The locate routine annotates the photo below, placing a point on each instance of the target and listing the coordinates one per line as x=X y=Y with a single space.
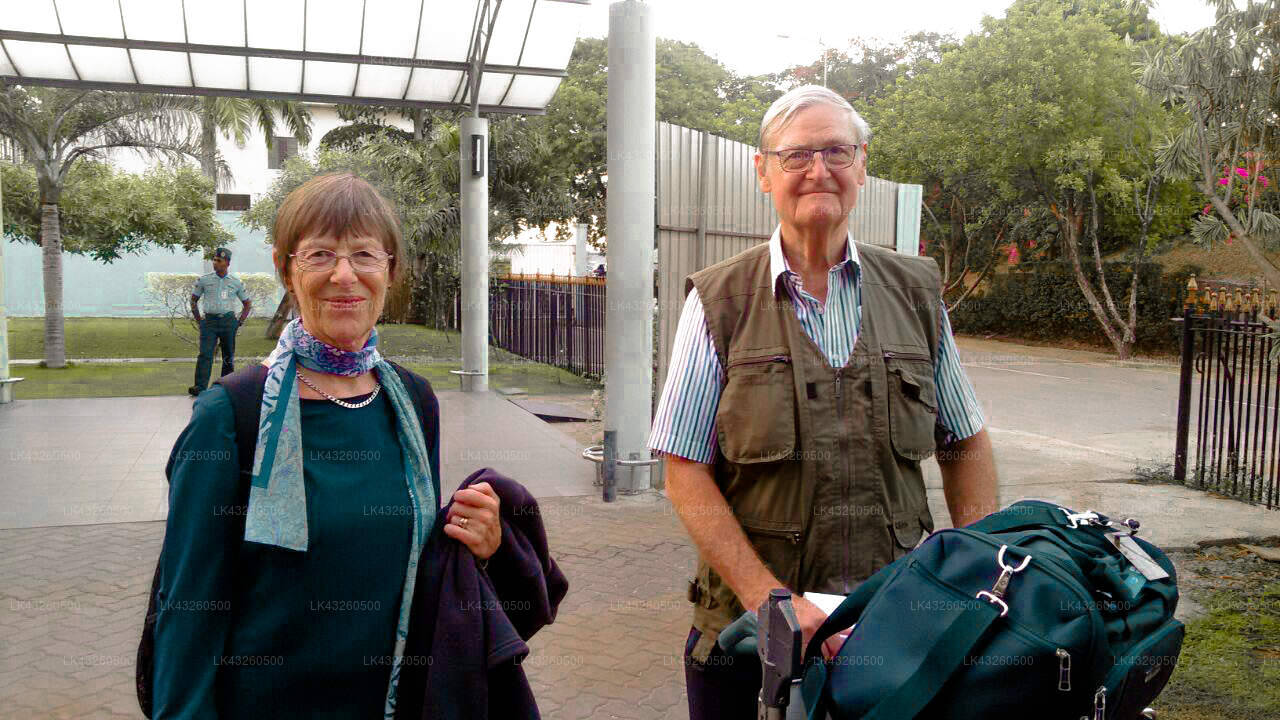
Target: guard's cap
x=222 y=254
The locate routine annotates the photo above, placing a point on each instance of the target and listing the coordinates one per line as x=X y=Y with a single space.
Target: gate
x=1229 y=389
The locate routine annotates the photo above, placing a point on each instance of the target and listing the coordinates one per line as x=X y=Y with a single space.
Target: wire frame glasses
x=362 y=261
x=836 y=157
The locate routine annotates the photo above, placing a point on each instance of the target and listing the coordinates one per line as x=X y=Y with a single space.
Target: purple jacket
x=468 y=627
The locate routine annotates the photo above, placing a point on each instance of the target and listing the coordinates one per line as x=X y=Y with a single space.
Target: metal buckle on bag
x=995 y=595
x=1088 y=517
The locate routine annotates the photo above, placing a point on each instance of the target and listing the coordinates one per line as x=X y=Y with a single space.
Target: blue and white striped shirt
x=685 y=421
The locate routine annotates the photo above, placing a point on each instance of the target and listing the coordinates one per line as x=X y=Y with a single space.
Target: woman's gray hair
x=783 y=109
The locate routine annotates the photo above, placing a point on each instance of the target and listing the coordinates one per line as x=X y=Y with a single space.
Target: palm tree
x=233 y=117
x=54 y=128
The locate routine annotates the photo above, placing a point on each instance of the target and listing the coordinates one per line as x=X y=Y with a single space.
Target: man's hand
x=811 y=618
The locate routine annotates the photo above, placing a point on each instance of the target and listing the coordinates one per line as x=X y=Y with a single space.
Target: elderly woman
x=289 y=595
x=807 y=379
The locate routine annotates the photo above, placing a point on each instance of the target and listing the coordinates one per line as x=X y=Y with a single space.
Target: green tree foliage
x=106 y=213
x=867 y=69
x=1225 y=80
x=55 y=128
x=693 y=90
x=234 y=118
x=421 y=179
x=1037 y=117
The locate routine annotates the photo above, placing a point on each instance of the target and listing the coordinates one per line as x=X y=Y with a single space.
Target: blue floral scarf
x=277 y=512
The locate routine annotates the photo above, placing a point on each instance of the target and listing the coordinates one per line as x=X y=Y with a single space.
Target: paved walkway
x=82 y=493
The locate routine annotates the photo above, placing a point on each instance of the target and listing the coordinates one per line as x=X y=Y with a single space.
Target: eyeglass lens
x=838 y=156
x=362 y=260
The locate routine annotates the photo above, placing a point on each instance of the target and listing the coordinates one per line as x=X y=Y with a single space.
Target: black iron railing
x=1229 y=390
x=558 y=320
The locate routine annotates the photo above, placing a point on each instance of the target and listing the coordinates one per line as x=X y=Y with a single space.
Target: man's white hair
x=784 y=109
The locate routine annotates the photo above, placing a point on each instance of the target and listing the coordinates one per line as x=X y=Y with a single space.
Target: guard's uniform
x=219 y=300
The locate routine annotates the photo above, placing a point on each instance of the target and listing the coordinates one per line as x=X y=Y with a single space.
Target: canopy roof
x=412 y=53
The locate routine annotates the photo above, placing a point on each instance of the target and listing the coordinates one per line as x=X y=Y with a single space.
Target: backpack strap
x=428 y=407
x=244 y=388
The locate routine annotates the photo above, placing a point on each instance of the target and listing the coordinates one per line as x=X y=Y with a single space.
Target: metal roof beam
x=241 y=51
x=251 y=94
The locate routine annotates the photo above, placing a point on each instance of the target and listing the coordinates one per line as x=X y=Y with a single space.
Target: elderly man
x=809 y=378
x=218 y=290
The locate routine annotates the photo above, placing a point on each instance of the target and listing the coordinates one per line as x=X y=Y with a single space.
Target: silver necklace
x=377 y=386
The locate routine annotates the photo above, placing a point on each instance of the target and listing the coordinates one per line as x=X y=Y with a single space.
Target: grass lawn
x=1230 y=664
x=152 y=338
x=173 y=378
x=439 y=352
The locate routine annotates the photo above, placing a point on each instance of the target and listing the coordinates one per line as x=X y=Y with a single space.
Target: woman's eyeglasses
x=836 y=157
x=362 y=261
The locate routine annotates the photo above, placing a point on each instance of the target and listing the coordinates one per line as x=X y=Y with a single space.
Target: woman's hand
x=474 y=520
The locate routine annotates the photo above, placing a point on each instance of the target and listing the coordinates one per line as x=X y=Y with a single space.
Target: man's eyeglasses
x=836 y=157
x=362 y=261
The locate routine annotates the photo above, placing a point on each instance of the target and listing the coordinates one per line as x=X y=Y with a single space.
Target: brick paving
x=72 y=600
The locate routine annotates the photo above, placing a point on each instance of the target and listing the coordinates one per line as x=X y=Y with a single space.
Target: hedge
x=1041 y=301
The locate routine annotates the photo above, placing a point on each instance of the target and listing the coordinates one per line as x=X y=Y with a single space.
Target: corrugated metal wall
x=710 y=208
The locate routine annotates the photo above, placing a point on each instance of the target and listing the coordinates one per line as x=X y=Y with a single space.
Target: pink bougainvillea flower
x=1243 y=172
x=1207 y=209
x=1263 y=181
x=1224 y=181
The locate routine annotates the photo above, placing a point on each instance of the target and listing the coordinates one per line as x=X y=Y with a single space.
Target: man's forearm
x=716 y=532
x=195 y=310
x=244 y=312
x=969 y=479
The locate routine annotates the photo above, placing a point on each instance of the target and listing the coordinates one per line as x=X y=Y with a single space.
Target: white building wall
x=248 y=164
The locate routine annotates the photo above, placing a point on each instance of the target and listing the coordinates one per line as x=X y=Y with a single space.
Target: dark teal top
x=251 y=631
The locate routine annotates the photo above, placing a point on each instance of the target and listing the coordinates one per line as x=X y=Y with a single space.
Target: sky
x=744 y=34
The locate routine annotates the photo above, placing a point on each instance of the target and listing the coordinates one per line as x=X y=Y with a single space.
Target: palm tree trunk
x=55 y=341
x=208 y=143
x=276 y=326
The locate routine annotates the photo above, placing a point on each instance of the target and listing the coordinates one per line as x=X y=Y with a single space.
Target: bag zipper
x=761 y=360
x=1064 y=670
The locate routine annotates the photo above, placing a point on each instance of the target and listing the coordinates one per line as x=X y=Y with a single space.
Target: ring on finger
x=462 y=522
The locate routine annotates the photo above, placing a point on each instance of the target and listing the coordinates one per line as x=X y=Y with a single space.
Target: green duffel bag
x=1032 y=612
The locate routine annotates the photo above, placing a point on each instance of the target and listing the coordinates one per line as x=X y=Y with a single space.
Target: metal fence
x=710 y=208
x=1229 y=389
x=551 y=319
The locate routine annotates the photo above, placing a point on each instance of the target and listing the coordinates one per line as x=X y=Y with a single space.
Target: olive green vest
x=820 y=465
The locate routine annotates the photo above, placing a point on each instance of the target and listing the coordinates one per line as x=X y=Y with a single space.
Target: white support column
x=580 y=266
x=6 y=384
x=474 y=201
x=632 y=115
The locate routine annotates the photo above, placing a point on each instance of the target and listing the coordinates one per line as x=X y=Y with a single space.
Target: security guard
x=809 y=377
x=218 y=289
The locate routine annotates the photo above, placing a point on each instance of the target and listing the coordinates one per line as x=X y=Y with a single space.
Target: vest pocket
x=755 y=421
x=778 y=544
x=913 y=409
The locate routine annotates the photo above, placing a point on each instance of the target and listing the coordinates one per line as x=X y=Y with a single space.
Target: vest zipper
x=761 y=360
x=844 y=455
x=906 y=356
x=791 y=535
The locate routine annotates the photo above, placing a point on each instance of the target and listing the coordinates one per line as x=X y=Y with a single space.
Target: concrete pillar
x=580 y=265
x=474 y=201
x=631 y=115
x=6 y=388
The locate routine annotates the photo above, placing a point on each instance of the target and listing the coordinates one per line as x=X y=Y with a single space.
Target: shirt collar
x=778 y=264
